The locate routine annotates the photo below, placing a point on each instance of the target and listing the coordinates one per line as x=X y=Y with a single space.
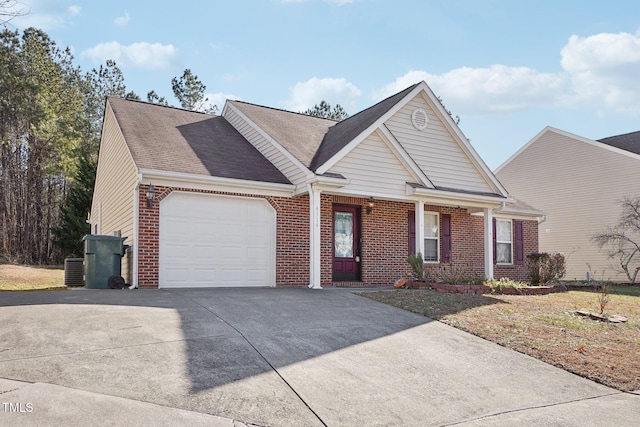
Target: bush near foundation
x=544 y=267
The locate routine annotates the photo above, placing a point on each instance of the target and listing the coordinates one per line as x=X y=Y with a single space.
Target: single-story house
x=578 y=182
x=264 y=197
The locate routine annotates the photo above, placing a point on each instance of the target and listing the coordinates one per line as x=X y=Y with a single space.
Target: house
x=264 y=197
x=578 y=182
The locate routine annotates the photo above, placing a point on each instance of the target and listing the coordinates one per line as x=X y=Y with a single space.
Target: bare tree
x=9 y=9
x=622 y=241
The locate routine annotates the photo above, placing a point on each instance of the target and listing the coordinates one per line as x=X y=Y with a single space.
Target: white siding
x=578 y=185
x=275 y=156
x=116 y=180
x=436 y=150
x=374 y=170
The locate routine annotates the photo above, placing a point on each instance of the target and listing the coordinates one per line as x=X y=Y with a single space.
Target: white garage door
x=210 y=240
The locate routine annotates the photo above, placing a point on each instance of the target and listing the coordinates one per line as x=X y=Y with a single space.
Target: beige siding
x=116 y=180
x=289 y=169
x=578 y=185
x=374 y=170
x=436 y=150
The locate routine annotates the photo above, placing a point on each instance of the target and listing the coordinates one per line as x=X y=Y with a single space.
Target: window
x=431 y=237
x=504 y=242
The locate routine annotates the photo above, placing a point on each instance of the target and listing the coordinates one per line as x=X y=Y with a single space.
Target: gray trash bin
x=103 y=261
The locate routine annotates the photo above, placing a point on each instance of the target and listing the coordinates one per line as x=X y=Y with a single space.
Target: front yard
x=26 y=278
x=545 y=327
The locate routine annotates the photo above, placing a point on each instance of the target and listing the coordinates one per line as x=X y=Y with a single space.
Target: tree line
x=50 y=122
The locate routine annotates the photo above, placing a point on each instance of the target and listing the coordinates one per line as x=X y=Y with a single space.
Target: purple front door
x=346 y=243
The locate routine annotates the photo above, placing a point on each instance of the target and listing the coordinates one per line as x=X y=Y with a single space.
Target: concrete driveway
x=271 y=357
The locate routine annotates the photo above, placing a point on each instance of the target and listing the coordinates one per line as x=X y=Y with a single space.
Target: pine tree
x=324 y=110
x=189 y=90
x=73 y=213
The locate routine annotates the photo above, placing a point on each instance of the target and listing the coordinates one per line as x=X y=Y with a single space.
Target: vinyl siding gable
x=435 y=150
x=374 y=170
x=116 y=179
x=578 y=184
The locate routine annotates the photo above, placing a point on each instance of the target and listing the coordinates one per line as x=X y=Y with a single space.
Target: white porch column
x=420 y=227
x=488 y=243
x=314 y=238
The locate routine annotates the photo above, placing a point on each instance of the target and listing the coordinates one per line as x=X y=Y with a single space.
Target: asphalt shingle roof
x=627 y=141
x=300 y=134
x=175 y=140
x=345 y=131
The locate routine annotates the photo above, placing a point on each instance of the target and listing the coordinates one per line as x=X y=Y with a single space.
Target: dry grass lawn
x=545 y=327
x=26 y=278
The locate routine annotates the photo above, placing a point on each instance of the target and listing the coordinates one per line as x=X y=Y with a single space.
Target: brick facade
x=384 y=234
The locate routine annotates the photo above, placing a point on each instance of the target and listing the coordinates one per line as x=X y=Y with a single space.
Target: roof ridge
x=346 y=130
x=407 y=89
x=282 y=110
x=158 y=105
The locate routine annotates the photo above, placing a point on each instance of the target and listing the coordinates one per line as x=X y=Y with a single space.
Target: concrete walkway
x=271 y=357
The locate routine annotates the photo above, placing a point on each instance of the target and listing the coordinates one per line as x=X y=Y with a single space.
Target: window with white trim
x=504 y=241
x=431 y=237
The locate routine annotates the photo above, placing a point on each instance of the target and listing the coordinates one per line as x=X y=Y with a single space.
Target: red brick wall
x=530 y=240
x=384 y=240
x=384 y=233
x=467 y=245
x=292 y=242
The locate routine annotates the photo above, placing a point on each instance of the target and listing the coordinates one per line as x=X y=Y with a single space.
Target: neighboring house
x=264 y=197
x=578 y=182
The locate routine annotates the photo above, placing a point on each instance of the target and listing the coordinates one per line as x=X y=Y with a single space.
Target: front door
x=346 y=243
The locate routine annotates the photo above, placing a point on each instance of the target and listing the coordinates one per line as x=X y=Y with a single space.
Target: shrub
x=544 y=267
x=417 y=265
x=456 y=274
x=504 y=282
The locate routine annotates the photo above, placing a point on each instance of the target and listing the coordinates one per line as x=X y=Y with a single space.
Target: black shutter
x=446 y=238
x=412 y=232
x=495 y=250
x=519 y=243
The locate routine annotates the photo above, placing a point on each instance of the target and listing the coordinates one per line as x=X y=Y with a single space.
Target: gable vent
x=419 y=119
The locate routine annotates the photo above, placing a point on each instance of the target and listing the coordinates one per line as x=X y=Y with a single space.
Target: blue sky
x=508 y=68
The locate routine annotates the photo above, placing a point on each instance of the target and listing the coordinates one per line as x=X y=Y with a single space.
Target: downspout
x=136 y=226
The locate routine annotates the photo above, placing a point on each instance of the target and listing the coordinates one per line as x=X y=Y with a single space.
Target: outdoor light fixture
x=370 y=205
x=151 y=194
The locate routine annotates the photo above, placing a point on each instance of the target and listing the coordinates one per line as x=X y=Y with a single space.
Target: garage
x=216 y=241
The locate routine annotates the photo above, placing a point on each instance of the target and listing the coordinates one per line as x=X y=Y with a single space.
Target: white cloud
x=485 y=90
x=121 y=21
x=600 y=71
x=605 y=70
x=335 y=91
x=218 y=99
x=142 y=54
x=42 y=14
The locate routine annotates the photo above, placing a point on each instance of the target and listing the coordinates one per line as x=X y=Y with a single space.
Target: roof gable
x=375 y=168
x=437 y=150
x=602 y=144
x=348 y=134
x=347 y=130
x=174 y=140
